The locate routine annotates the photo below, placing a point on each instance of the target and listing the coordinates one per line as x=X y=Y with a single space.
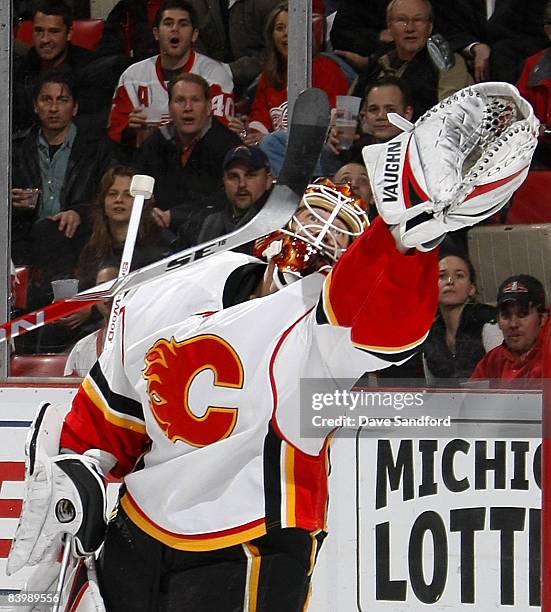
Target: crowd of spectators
x=195 y=95
x=141 y=98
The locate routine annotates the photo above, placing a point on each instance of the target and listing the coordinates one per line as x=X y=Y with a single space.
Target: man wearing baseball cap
x=247 y=183
x=522 y=314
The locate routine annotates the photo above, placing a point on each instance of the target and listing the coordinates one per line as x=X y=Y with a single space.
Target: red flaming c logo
x=171 y=367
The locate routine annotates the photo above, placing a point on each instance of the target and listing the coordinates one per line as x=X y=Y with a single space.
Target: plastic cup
x=346 y=130
x=346 y=120
x=64 y=288
x=31 y=195
x=348 y=107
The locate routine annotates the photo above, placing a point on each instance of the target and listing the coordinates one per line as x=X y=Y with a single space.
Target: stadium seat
x=531 y=201
x=87 y=33
x=48 y=364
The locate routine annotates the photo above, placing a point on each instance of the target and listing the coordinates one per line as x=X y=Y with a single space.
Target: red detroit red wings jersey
x=208 y=404
x=143 y=84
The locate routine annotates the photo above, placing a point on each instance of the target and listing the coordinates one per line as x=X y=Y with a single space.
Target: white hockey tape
x=142 y=184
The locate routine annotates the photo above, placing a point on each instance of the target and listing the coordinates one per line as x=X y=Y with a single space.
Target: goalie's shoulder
x=193 y=288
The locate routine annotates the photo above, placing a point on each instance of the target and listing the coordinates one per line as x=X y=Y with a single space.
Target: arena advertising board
x=415 y=522
x=436 y=523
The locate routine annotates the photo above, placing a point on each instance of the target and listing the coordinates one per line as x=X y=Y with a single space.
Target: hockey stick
x=141 y=188
x=307 y=133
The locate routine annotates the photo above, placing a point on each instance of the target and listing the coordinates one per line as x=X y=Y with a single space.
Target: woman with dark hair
x=110 y=219
x=269 y=108
x=462 y=332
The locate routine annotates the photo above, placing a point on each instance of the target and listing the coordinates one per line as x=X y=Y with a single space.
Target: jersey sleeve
x=106 y=413
x=259 y=117
x=220 y=81
x=222 y=103
x=121 y=107
x=387 y=298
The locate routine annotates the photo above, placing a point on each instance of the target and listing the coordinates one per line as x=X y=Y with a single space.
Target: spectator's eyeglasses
x=403 y=22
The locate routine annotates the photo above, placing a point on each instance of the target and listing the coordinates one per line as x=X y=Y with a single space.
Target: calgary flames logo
x=171 y=367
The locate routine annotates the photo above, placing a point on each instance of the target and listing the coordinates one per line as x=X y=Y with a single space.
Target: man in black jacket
x=65 y=163
x=496 y=43
x=94 y=78
x=185 y=157
x=247 y=183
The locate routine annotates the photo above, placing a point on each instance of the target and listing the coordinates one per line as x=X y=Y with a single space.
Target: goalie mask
x=328 y=219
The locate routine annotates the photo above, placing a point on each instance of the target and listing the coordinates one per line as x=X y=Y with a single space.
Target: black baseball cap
x=253 y=156
x=522 y=288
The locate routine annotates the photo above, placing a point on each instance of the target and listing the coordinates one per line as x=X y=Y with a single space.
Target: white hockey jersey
x=84 y=354
x=143 y=84
x=204 y=406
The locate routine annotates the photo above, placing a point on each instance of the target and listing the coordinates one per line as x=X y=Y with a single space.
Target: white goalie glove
x=456 y=166
x=65 y=495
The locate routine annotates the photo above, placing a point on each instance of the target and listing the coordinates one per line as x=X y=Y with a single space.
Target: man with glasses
x=410 y=22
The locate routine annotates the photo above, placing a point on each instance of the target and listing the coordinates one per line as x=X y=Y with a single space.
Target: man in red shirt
x=521 y=317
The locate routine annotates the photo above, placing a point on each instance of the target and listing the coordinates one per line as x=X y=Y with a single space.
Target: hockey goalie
x=196 y=402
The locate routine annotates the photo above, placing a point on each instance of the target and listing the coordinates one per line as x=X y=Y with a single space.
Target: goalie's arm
x=386 y=297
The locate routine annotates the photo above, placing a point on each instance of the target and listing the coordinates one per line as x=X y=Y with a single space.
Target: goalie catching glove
x=459 y=164
x=65 y=494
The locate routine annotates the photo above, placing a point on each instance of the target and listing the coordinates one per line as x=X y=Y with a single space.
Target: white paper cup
x=156 y=116
x=64 y=288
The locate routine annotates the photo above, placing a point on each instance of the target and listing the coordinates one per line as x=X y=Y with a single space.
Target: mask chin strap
x=282 y=278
